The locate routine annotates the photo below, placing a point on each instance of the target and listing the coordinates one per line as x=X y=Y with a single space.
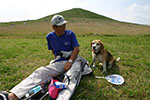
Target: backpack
x=56 y=85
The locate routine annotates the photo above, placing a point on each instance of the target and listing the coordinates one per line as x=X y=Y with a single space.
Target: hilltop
x=77 y=13
x=80 y=21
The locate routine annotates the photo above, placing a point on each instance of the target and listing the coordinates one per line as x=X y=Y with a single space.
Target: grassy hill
x=80 y=21
x=77 y=13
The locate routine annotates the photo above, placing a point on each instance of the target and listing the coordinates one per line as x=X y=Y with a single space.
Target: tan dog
x=100 y=54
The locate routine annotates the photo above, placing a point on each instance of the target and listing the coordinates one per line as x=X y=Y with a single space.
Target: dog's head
x=97 y=46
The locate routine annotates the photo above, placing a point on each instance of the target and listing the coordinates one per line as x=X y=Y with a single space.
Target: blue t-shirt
x=66 y=42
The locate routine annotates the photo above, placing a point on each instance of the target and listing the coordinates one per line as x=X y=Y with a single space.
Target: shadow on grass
x=113 y=70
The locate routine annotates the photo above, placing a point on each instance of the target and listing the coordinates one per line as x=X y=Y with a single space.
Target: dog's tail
x=117 y=59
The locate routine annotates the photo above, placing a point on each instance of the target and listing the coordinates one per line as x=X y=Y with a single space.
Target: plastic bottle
x=33 y=91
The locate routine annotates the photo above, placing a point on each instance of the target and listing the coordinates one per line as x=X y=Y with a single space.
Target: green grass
x=134 y=67
x=20 y=56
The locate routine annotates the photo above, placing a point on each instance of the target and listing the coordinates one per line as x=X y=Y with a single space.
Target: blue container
x=60 y=85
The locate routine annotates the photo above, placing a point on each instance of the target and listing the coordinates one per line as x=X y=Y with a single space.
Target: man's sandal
x=4 y=95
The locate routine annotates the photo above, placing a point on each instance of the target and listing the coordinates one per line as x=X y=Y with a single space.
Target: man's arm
x=74 y=55
x=53 y=53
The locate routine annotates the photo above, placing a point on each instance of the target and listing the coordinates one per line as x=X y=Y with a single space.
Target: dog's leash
x=92 y=62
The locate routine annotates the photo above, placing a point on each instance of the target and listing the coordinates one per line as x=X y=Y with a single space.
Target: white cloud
x=138 y=13
x=134 y=13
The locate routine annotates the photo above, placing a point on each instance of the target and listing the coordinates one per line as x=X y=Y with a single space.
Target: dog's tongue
x=94 y=51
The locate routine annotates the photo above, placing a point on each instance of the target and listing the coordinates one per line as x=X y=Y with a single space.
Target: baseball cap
x=58 y=20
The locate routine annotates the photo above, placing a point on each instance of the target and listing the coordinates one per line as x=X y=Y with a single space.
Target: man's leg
x=12 y=96
x=73 y=73
x=40 y=76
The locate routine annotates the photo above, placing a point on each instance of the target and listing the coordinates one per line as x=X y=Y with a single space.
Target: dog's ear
x=91 y=43
x=102 y=46
x=101 y=43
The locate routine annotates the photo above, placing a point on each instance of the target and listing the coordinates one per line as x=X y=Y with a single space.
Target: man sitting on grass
x=59 y=41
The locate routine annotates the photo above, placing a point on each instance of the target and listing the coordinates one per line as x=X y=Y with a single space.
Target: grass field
x=78 y=25
x=23 y=48
x=21 y=56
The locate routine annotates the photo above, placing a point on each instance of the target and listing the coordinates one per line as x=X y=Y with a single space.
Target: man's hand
x=74 y=54
x=67 y=66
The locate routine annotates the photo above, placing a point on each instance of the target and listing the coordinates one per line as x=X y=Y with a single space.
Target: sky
x=133 y=11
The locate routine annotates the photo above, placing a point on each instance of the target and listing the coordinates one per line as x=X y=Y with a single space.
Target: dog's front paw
x=101 y=64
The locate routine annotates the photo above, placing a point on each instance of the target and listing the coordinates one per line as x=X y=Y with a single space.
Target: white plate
x=114 y=79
